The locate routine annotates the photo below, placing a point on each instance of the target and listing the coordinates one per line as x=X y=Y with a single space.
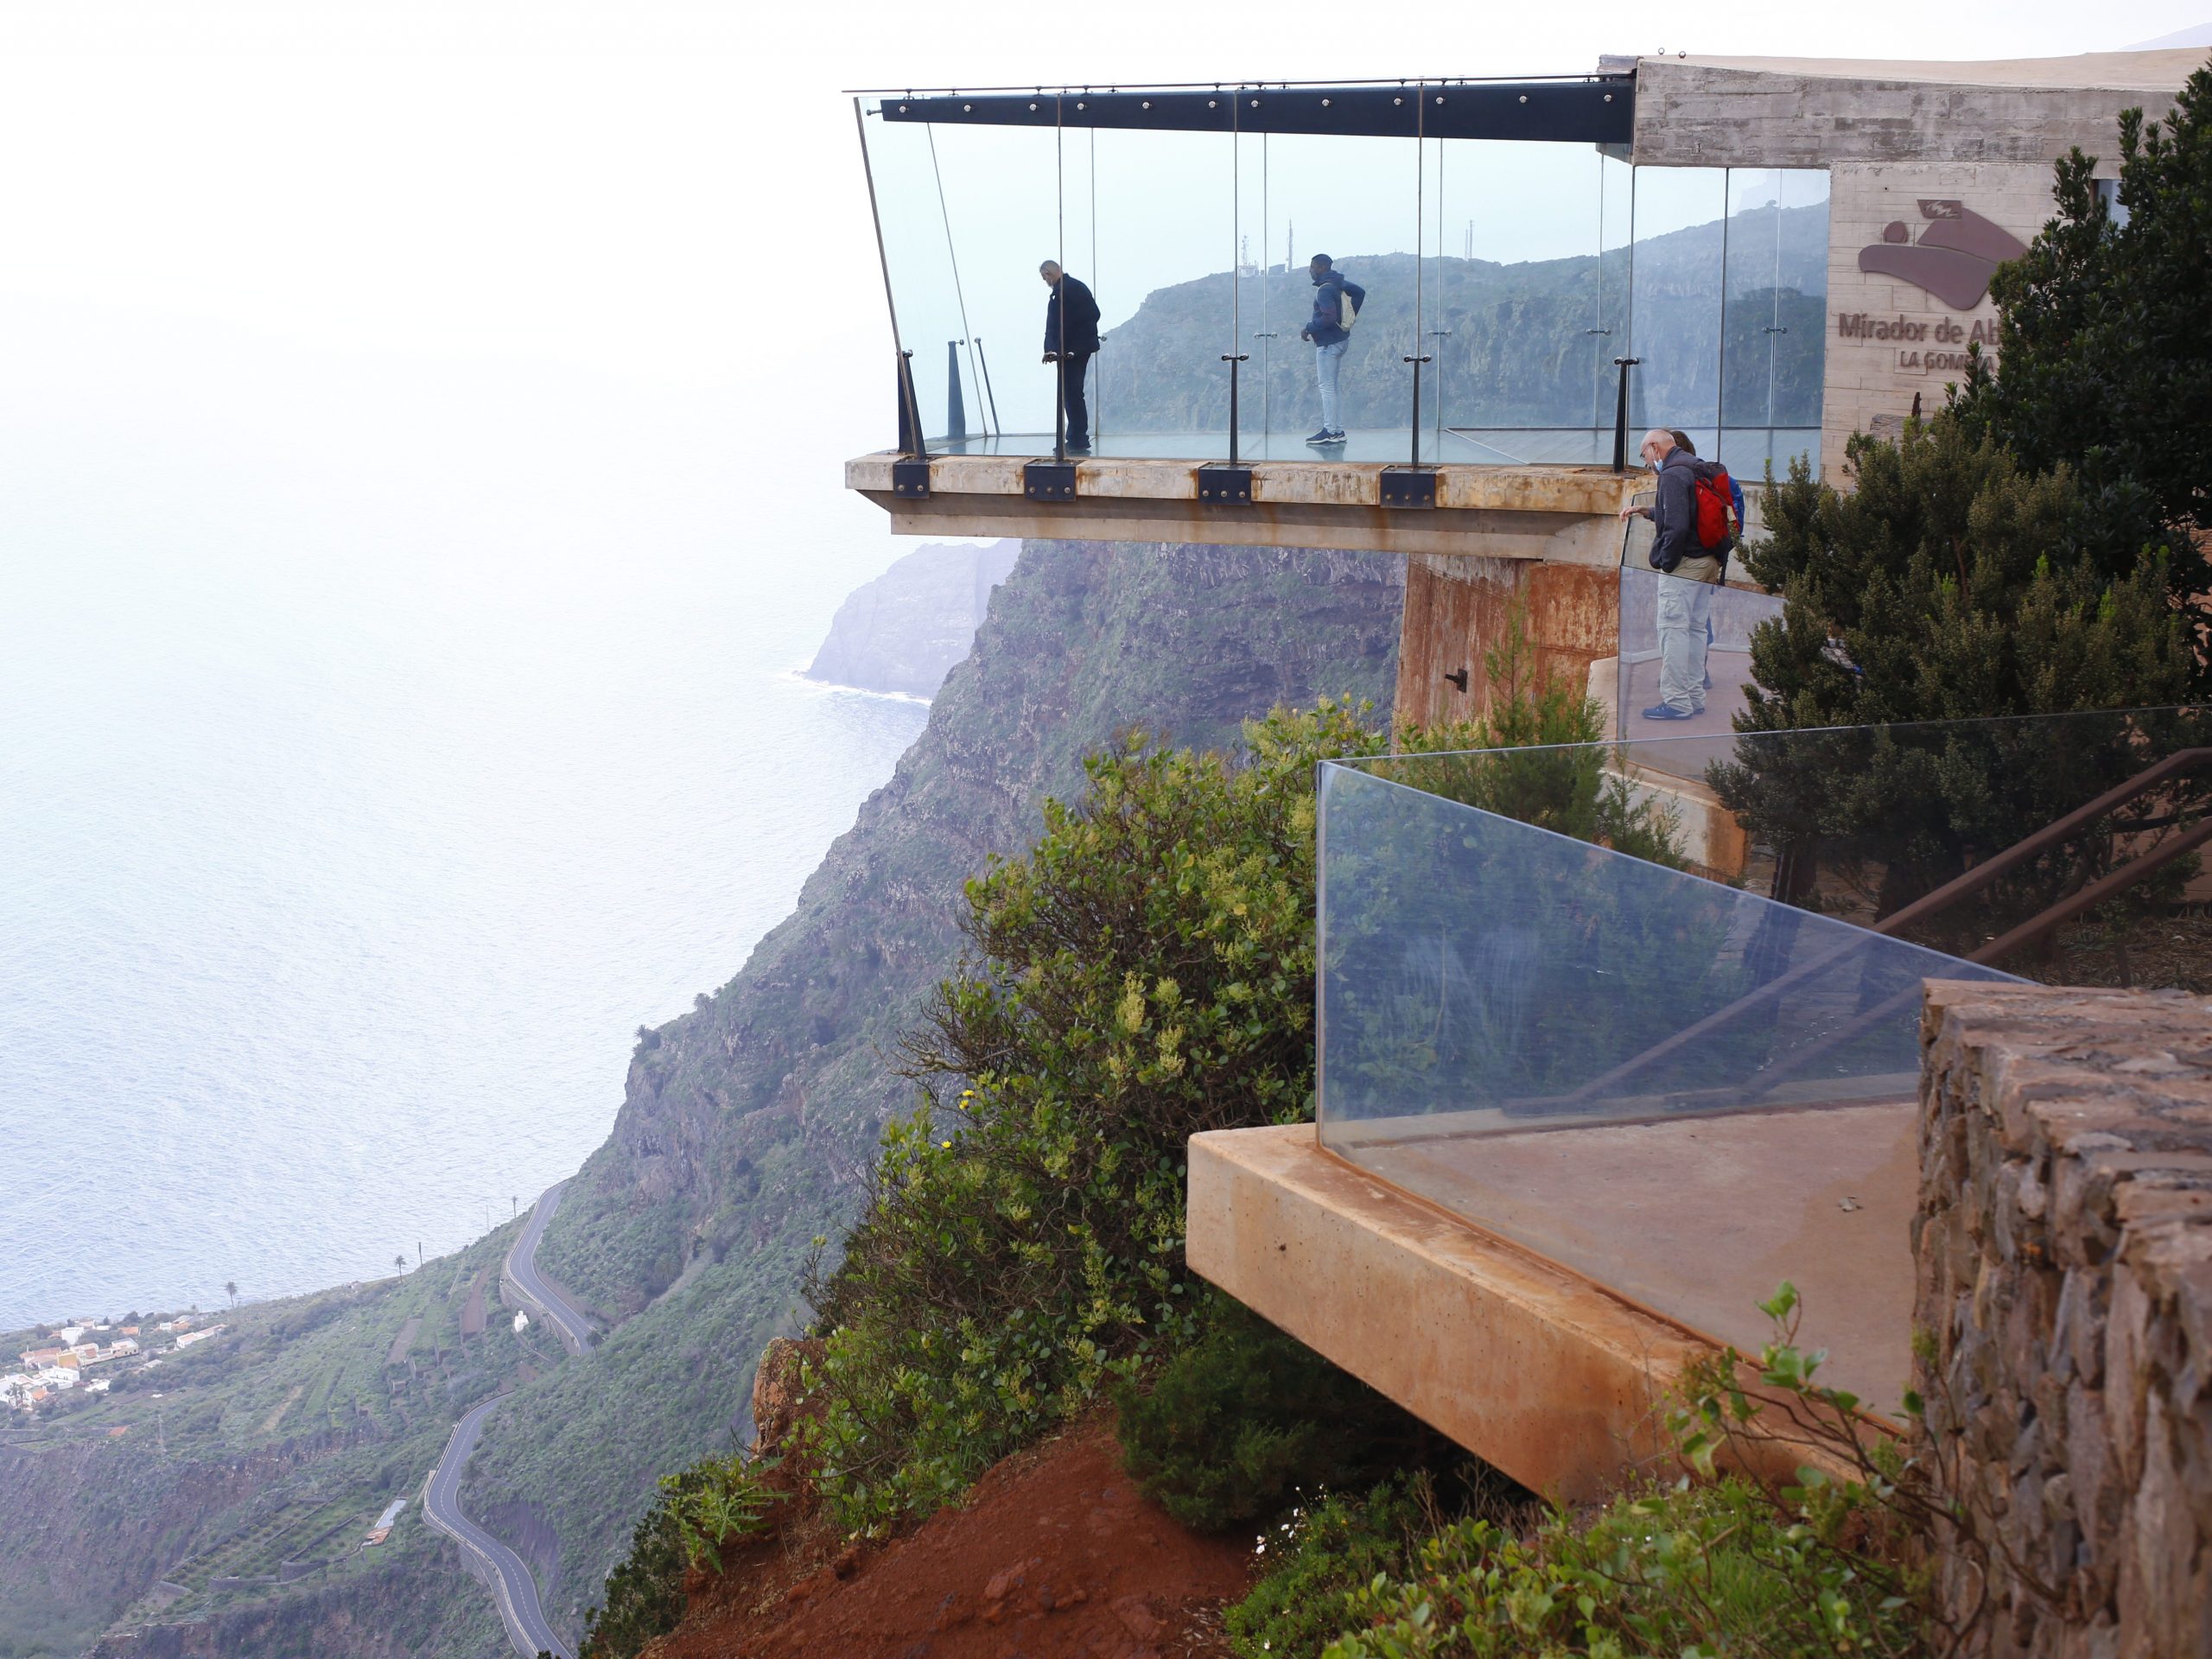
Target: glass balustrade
x=1652 y=1008
x=1507 y=274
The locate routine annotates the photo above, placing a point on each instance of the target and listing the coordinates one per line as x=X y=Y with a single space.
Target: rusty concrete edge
x=1444 y=531
x=1530 y=488
x=1657 y=1359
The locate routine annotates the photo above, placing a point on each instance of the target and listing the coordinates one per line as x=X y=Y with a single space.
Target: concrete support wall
x=1456 y=609
x=2064 y=1251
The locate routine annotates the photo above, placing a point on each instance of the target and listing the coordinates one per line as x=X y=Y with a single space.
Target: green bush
x=1834 y=1565
x=699 y=1511
x=1245 y=1416
x=1698 y=1570
x=1319 y=1559
x=1145 y=973
x=643 y=1596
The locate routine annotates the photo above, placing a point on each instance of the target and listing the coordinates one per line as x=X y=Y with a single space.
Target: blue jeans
x=1327 y=360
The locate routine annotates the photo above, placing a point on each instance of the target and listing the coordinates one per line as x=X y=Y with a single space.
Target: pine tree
x=2104 y=357
x=1952 y=584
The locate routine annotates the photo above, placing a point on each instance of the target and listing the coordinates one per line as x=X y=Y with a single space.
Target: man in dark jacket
x=1329 y=337
x=1685 y=603
x=1071 y=337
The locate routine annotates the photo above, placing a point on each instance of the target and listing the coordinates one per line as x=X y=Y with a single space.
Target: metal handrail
x=1950 y=893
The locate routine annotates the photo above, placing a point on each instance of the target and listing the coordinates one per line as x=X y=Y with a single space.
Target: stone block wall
x=2064 y=1245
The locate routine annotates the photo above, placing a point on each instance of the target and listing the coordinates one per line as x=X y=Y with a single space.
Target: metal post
x=1416 y=361
x=911 y=441
x=1421 y=221
x=989 y=396
x=1720 y=355
x=1060 y=395
x=1059 y=300
x=1233 y=358
x=1620 y=414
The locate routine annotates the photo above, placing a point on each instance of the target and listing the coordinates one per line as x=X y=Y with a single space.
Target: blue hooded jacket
x=1324 y=328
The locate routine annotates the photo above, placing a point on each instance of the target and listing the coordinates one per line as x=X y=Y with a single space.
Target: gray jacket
x=1674 y=515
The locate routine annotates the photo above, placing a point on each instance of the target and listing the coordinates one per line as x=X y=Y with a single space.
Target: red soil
x=1054 y=1557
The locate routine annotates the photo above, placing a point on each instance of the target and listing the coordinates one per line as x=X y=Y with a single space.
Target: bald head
x=1658 y=444
x=1050 y=271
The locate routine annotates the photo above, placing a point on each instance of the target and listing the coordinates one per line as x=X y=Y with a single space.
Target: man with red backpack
x=1694 y=519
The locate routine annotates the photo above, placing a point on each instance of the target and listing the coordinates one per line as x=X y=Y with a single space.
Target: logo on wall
x=1955 y=257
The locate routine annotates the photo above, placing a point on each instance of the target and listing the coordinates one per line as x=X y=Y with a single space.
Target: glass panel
x=1002 y=202
x=1483 y=976
x=1523 y=314
x=1356 y=200
x=925 y=298
x=1690 y=1088
x=1166 y=239
x=1675 y=324
x=1774 y=341
x=1708 y=634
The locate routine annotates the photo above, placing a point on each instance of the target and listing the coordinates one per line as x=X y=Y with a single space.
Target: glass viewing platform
x=1652 y=1008
x=1510 y=258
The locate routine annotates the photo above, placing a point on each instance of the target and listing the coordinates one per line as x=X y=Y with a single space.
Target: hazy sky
x=661 y=190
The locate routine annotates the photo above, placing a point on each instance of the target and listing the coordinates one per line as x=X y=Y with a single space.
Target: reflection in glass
x=1677 y=284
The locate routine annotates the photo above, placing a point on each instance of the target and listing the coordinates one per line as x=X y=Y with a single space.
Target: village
x=55 y=1366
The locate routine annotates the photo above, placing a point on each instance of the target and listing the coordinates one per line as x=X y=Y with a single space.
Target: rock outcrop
x=904 y=631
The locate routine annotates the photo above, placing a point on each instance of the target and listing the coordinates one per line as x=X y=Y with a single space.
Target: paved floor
x=1701 y=1218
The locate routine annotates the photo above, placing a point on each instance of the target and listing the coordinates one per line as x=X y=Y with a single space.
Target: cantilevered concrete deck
x=1547 y=536
x=1561 y=514
x=1554 y=1363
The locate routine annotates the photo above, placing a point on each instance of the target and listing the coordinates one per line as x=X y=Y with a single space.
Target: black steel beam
x=1597 y=110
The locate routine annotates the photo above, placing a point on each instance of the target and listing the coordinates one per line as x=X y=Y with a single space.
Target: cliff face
x=746 y=1123
x=904 y=631
x=1512 y=346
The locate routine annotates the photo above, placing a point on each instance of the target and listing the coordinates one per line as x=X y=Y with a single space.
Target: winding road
x=568 y=1320
x=501 y=1569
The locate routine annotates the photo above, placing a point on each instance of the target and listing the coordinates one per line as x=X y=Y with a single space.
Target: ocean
x=381 y=744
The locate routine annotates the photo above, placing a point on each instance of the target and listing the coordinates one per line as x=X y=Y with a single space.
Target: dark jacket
x=1674 y=515
x=1083 y=317
x=1323 y=329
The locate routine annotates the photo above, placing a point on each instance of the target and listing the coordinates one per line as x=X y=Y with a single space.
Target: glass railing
x=1504 y=279
x=1684 y=648
x=1700 y=956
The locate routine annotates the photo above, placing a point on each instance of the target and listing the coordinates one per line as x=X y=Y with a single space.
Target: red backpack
x=1714 y=494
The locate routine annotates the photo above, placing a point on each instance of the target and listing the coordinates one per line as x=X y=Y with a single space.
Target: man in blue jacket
x=1071 y=337
x=1329 y=337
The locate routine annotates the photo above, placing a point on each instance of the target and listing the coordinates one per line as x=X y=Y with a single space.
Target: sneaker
x=1323 y=436
x=1337 y=435
x=1667 y=711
